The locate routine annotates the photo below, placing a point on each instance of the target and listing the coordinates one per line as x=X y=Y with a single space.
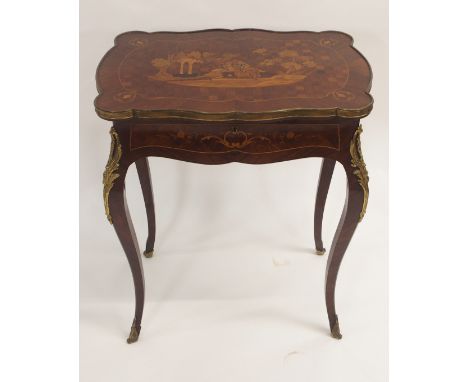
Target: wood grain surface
x=233 y=75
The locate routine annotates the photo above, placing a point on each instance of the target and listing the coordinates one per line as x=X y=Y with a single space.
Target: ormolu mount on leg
x=110 y=173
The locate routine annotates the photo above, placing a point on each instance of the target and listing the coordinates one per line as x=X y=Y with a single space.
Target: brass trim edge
x=110 y=173
x=111 y=115
x=233 y=116
x=357 y=161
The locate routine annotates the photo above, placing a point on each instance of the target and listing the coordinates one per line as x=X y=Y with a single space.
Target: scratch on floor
x=280 y=262
x=290 y=354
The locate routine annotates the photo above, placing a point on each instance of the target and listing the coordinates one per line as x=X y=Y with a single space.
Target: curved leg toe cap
x=133 y=337
x=321 y=252
x=335 y=331
x=148 y=254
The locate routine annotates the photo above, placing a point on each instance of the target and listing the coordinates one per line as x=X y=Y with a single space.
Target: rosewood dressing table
x=220 y=96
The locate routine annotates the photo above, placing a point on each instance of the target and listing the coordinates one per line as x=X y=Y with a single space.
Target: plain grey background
x=235 y=291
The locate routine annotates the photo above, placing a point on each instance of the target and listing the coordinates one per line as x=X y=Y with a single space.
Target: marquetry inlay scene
x=242 y=71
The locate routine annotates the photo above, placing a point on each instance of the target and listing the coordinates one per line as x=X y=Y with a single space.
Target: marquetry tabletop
x=221 y=96
x=240 y=74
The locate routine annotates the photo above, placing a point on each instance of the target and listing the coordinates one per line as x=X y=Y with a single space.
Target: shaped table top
x=222 y=75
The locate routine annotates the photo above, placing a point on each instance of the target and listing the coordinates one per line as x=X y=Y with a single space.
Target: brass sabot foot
x=320 y=252
x=133 y=337
x=335 y=332
x=148 y=254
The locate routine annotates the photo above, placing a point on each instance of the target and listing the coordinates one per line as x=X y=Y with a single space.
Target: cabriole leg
x=353 y=212
x=117 y=213
x=144 y=175
x=326 y=173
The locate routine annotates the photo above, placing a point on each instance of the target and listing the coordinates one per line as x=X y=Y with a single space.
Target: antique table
x=220 y=96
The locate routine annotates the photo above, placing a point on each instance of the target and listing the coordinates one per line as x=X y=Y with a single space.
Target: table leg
x=144 y=174
x=117 y=213
x=353 y=212
x=326 y=173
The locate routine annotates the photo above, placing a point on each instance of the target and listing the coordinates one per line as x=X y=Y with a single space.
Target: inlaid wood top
x=233 y=75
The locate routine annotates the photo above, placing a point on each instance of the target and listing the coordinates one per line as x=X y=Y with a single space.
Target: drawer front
x=249 y=139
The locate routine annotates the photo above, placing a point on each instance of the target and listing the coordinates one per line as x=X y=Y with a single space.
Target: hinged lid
x=218 y=75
